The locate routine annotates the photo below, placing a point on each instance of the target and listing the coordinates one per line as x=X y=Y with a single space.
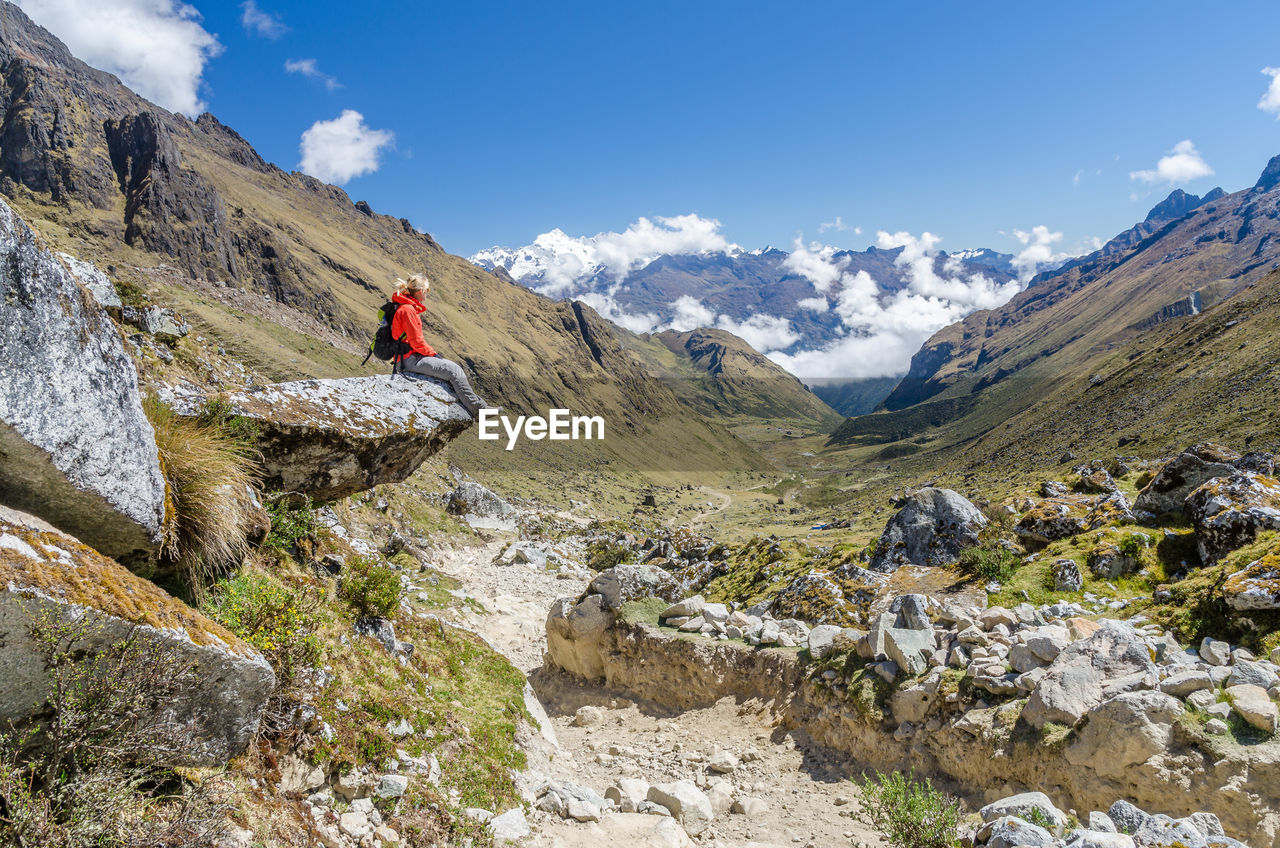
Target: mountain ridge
x=187 y=212
x=996 y=364
x=732 y=282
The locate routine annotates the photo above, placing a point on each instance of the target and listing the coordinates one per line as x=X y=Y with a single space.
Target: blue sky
x=512 y=118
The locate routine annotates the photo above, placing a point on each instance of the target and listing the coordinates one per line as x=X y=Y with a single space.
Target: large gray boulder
x=576 y=635
x=77 y=449
x=328 y=439
x=480 y=506
x=1229 y=512
x=1124 y=731
x=1026 y=805
x=932 y=528
x=48 y=577
x=622 y=584
x=1256 y=586
x=1183 y=474
x=1079 y=679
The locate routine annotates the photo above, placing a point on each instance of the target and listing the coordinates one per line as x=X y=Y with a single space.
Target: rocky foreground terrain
x=240 y=608
x=415 y=660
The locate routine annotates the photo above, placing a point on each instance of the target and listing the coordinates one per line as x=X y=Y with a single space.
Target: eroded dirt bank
x=981 y=752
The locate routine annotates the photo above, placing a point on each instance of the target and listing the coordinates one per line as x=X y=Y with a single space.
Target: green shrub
x=217 y=412
x=1134 y=544
x=274 y=618
x=909 y=813
x=209 y=474
x=603 y=554
x=989 y=562
x=289 y=524
x=369 y=588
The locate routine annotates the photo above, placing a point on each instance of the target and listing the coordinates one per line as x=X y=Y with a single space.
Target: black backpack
x=383 y=345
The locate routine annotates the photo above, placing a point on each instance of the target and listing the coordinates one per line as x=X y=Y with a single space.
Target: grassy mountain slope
x=975 y=375
x=1208 y=376
x=284 y=272
x=720 y=375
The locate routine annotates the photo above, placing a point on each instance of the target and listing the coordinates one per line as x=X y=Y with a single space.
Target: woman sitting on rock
x=422 y=359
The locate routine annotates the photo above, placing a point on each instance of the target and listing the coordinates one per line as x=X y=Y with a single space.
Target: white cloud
x=839 y=226
x=608 y=307
x=880 y=331
x=1181 y=165
x=818 y=262
x=1037 y=253
x=765 y=333
x=157 y=47
x=261 y=23
x=308 y=68
x=1270 y=101
x=342 y=149
x=815 y=304
x=689 y=314
x=557 y=264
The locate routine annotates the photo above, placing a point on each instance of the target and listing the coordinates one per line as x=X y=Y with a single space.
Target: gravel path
x=806 y=798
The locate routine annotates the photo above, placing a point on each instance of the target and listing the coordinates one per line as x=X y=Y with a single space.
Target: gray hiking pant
x=449 y=371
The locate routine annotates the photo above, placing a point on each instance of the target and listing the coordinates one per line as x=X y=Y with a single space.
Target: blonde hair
x=415 y=283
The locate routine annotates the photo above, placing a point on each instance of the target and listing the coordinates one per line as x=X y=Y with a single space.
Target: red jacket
x=407 y=324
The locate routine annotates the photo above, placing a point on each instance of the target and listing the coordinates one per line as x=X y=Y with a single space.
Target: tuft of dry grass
x=210 y=507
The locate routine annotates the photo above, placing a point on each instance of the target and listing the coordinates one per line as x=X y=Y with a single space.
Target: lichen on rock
x=78 y=450
x=44 y=573
x=328 y=439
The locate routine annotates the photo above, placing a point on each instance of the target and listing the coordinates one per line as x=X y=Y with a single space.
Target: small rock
x=751 y=807
x=588 y=717
x=1248 y=672
x=687 y=607
x=386 y=835
x=1101 y=822
x=1254 y=706
x=582 y=811
x=1214 y=652
x=1127 y=817
x=391 y=786
x=1013 y=832
x=687 y=804
x=722 y=762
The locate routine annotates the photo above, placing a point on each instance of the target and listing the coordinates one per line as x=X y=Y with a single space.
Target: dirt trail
x=806 y=797
x=726 y=501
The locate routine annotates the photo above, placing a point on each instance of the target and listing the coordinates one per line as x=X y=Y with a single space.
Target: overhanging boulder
x=328 y=439
x=75 y=446
x=46 y=575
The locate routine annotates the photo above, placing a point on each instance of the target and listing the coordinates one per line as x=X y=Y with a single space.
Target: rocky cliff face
x=168 y=209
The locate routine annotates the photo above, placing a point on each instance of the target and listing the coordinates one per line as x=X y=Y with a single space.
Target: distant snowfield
x=819 y=311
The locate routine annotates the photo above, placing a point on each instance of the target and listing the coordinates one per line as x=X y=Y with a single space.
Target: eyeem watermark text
x=560 y=426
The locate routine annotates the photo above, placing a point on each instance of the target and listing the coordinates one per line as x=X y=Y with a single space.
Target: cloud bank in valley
x=158 y=48
x=879 y=327
x=880 y=331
